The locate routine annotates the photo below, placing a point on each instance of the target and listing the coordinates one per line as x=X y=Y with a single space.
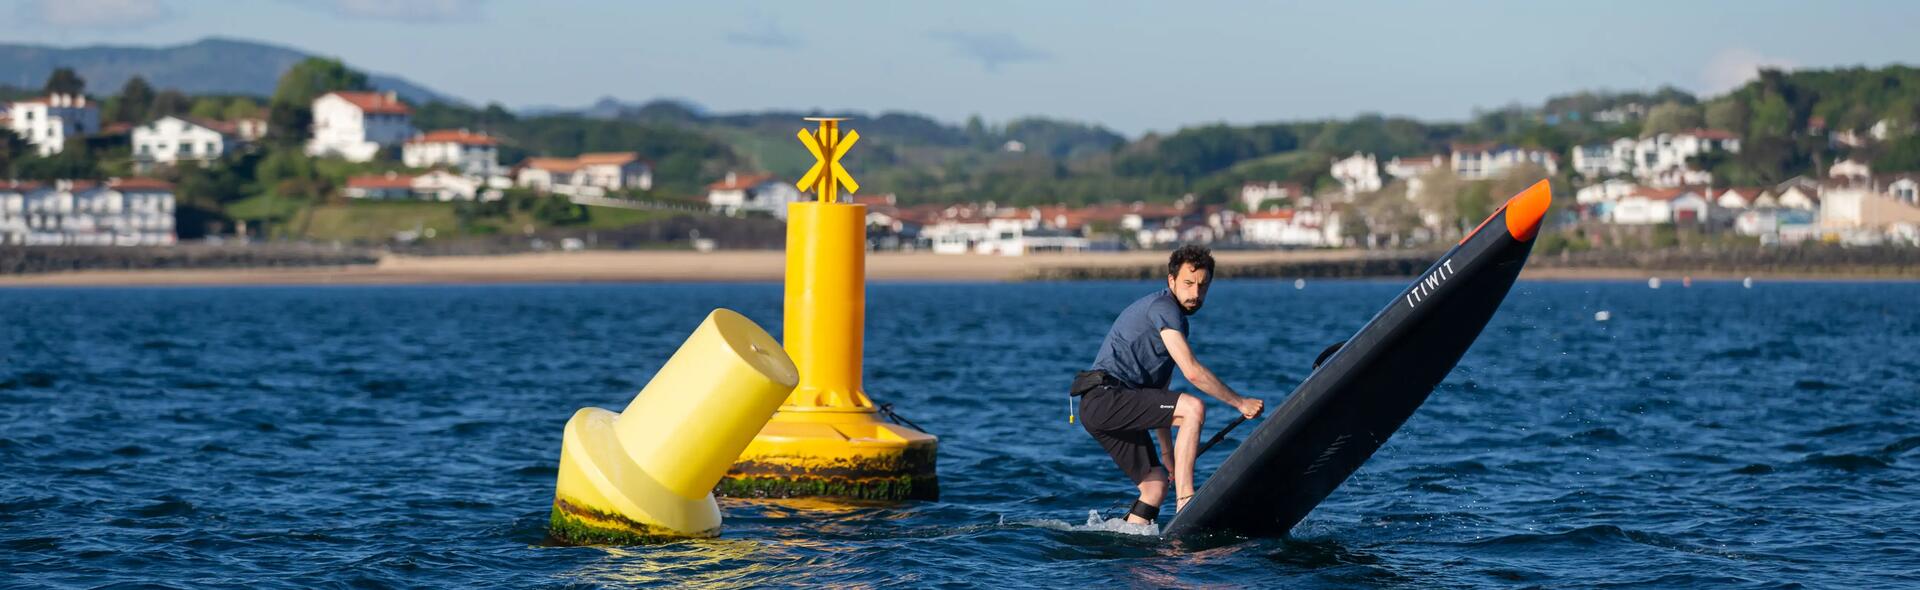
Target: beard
x=1190 y=307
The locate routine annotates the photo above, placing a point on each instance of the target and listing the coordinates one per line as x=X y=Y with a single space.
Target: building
x=1476 y=161
x=1901 y=187
x=1649 y=206
x=1660 y=160
x=355 y=125
x=46 y=123
x=1358 y=173
x=380 y=186
x=473 y=154
x=1863 y=209
x=738 y=194
x=444 y=185
x=120 y=212
x=1296 y=228
x=1746 y=197
x=170 y=139
x=1414 y=166
x=589 y=175
x=1851 y=171
x=1253 y=194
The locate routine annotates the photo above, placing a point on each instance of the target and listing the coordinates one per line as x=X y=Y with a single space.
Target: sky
x=1133 y=66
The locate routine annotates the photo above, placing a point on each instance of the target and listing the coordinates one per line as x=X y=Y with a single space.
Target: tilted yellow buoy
x=828 y=439
x=648 y=472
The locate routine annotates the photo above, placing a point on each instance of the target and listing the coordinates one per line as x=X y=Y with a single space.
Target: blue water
x=408 y=436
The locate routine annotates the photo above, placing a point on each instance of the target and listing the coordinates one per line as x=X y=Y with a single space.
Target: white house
x=1358 y=173
x=1902 y=187
x=473 y=154
x=380 y=186
x=443 y=185
x=120 y=212
x=1800 y=196
x=1851 y=170
x=170 y=139
x=1659 y=160
x=1486 y=160
x=48 y=122
x=1302 y=228
x=1414 y=166
x=355 y=125
x=1859 y=208
x=737 y=194
x=1252 y=193
x=1605 y=191
x=1649 y=206
x=1738 y=198
x=589 y=175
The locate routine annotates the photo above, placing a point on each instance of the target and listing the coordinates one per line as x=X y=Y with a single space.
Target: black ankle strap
x=1144 y=510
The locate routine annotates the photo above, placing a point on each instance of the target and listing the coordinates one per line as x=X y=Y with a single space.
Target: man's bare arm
x=1201 y=377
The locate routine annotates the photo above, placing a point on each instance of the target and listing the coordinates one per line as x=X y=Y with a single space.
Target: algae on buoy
x=647 y=473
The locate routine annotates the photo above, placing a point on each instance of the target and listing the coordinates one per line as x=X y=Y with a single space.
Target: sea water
x=408 y=436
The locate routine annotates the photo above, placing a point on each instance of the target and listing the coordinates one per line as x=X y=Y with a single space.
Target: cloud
x=990 y=49
x=765 y=33
x=1735 y=66
x=408 y=11
x=95 y=14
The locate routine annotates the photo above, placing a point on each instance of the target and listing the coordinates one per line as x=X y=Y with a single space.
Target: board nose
x=1527 y=209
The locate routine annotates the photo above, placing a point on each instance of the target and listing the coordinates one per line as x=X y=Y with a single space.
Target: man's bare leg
x=1153 y=491
x=1189 y=414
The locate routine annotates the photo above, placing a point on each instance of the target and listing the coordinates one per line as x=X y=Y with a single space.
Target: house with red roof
x=470 y=153
x=738 y=194
x=591 y=174
x=168 y=140
x=1653 y=205
x=355 y=125
x=1474 y=161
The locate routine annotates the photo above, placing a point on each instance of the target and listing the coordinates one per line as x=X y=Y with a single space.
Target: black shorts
x=1119 y=418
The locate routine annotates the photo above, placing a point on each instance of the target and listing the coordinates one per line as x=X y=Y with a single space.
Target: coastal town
x=1654 y=179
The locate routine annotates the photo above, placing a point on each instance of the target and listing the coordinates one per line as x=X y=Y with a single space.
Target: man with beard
x=1124 y=395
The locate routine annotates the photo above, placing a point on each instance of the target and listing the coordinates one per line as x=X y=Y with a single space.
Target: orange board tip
x=1525 y=210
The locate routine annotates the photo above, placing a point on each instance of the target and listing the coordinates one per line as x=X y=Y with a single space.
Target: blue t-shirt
x=1133 y=352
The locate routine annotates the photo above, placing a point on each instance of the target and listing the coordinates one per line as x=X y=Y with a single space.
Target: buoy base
x=835 y=453
x=603 y=497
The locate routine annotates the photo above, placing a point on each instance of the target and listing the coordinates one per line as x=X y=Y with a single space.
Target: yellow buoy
x=828 y=439
x=648 y=472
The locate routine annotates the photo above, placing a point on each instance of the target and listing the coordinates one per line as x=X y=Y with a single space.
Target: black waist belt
x=1087 y=381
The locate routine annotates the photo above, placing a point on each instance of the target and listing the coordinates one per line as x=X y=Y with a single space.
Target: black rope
x=887 y=410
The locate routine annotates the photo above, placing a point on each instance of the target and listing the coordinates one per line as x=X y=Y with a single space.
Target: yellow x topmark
x=827 y=175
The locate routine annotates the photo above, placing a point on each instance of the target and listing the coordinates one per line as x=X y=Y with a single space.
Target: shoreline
x=769 y=266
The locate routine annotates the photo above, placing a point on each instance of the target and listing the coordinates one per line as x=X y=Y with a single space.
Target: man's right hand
x=1249 y=408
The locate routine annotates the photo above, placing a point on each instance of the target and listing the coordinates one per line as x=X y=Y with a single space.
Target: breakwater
x=45 y=259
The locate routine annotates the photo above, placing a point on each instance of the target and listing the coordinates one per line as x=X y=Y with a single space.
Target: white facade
x=355 y=125
x=1660 y=160
x=1414 y=166
x=171 y=139
x=1850 y=170
x=47 y=123
x=473 y=154
x=132 y=212
x=1302 y=228
x=1655 y=206
x=1358 y=173
x=590 y=175
x=1905 y=189
x=741 y=194
x=1605 y=191
x=441 y=185
x=1481 y=161
x=1859 y=208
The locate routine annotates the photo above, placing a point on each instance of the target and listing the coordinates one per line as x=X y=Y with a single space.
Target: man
x=1125 y=394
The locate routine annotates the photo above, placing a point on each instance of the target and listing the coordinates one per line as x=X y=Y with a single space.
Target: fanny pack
x=1087 y=381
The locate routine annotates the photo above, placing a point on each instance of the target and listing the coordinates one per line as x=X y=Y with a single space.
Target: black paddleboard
x=1348 y=407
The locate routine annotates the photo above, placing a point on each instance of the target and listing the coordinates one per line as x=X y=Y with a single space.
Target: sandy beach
x=730 y=266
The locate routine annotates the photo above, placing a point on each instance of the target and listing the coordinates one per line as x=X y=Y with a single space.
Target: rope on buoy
x=887 y=410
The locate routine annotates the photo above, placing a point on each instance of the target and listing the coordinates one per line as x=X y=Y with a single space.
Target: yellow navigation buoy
x=828 y=439
x=648 y=473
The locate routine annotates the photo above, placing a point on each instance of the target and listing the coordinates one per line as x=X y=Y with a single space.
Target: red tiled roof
x=872 y=200
x=140 y=184
x=381 y=181
x=459 y=136
x=375 y=102
x=740 y=182
x=1283 y=214
x=1475 y=147
x=552 y=164
x=607 y=158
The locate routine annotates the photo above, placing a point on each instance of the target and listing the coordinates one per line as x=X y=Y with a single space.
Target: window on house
x=211 y=150
x=186 y=149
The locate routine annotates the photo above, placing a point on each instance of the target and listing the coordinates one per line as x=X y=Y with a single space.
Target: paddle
x=1222 y=435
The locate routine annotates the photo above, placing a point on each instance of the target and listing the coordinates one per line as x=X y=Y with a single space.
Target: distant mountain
x=209 y=66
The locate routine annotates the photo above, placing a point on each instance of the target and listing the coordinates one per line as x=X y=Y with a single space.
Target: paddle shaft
x=1222 y=435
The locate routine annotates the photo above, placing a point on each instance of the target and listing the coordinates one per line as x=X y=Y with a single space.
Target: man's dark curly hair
x=1197 y=255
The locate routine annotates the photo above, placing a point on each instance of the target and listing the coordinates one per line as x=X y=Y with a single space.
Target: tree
x=240 y=108
x=65 y=81
x=1727 y=115
x=1772 y=117
x=134 y=102
x=207 y=107
x=1902 y=155
x=290 y=111
x=170 y=103
x=1669 y=117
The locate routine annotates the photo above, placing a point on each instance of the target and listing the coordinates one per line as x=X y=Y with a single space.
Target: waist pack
x=1087 y=381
